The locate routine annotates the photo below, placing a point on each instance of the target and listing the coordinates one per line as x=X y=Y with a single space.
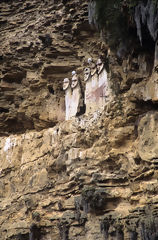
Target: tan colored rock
x=94 y=176
x=147 y=137
x=146 y=91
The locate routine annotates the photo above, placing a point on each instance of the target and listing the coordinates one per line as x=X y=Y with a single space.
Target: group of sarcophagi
x=96 y=93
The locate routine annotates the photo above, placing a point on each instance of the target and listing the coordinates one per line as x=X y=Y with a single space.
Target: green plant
x=120 y=19
x=111 y=16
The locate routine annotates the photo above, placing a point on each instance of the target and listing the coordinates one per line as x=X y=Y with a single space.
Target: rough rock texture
x=40 y=46
x=94 y=177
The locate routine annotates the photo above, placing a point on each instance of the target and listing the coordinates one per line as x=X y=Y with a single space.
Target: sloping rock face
x=92 y=177
x=40 y=45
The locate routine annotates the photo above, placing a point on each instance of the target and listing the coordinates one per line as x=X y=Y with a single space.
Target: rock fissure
x=78 y=150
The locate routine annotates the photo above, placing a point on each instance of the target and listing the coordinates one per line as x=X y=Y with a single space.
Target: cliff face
x=92 y=177
x=40 y=45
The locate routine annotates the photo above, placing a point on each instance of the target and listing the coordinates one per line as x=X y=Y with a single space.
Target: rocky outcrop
x=79 y=181
x=91 y=177
x=40 y=46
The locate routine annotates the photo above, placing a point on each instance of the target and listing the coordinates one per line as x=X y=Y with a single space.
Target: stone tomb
x=76 y=95
x=72 y=96
x=94 y=98
x=88 y=89
x=68 y=96
x=97 y=90
x=103 y=90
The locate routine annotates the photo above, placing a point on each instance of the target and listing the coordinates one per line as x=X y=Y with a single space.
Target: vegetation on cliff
x=122 y=19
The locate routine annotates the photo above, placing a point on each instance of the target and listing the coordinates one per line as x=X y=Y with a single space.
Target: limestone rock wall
x=40 y=46
x=92 y=177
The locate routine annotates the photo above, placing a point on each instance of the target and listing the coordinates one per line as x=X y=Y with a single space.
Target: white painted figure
x=76 y=94
x=87 y=74
x=94 y=74
x=94 y=98
x=68 y=97
x=103 y=84
x=88 y=89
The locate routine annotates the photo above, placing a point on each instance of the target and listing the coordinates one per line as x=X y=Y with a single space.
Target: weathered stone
x=94 y=176
x=147 y=137
x=103 y=85
x=68 y=98
x=77 y=98
x=88 y=89
x=93 y=96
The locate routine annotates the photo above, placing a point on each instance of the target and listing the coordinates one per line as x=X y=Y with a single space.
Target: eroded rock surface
x=95 y=175
x=39 y=48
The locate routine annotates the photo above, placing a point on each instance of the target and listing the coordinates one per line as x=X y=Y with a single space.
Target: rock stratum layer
x=92 y=177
